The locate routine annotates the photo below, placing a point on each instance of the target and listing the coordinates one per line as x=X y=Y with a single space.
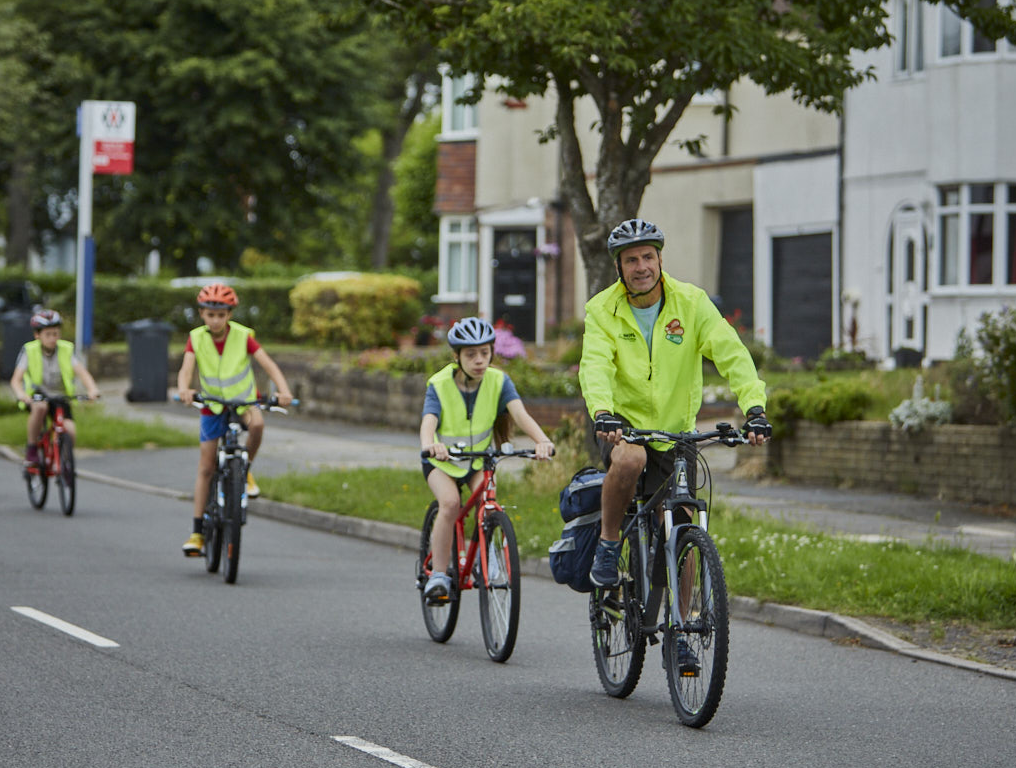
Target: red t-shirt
x=220 y=344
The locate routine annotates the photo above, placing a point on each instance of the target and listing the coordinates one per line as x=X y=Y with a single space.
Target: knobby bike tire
x=37 y=479
x=439 y=618
x=619 y=644
x=697 y=685
x=213 y=525
x=66 y=481
x=232 y=514
x=501 y=593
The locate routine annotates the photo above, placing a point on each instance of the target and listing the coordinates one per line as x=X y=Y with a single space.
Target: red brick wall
x=456 y=177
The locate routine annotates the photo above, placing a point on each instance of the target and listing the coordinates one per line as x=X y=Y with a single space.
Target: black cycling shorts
x=659 y=464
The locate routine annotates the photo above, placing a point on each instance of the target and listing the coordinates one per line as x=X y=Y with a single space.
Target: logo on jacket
x=675 y=332
x=627 y=335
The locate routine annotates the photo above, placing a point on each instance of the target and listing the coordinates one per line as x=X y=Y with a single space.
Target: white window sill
x=453 y=298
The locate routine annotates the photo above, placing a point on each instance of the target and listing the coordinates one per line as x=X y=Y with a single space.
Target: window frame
x=451 y=89
x=1002 y=210
x=910 y=56
x=468 y=237
x=1003 y=48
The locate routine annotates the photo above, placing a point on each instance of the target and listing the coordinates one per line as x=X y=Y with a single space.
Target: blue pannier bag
x=571 y=556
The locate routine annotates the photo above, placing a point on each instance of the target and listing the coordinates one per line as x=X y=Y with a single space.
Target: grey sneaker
x=687 y=661
x=604 y=570
x=439 y=586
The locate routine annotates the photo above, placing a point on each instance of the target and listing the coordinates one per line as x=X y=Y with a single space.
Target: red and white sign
x=112 y=134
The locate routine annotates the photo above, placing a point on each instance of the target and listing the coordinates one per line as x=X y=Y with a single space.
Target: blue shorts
x=214 y=425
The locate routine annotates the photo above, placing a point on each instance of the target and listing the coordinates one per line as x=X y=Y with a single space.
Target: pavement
x=296 y=443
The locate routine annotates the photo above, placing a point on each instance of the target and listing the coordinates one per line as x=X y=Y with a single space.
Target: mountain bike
x=226 y=506
x=56 y=457
x=489 y=563
x=675 y=565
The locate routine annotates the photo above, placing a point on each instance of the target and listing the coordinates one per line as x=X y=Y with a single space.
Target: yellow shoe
x=252 y=487
x=194 y=546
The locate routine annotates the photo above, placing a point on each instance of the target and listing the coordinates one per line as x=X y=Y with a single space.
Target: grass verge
x=763 y=558
x=98 y=430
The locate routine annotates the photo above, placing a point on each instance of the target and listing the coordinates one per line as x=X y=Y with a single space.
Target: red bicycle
x=56 y=457
x=489 y=563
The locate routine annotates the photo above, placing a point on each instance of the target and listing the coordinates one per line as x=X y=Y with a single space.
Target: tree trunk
x=19 y=209
x=383 y=209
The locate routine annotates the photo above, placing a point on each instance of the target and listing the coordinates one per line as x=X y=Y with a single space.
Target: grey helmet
x=470 y=332
x=633 y=232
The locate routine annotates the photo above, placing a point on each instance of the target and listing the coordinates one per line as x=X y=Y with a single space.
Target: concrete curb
x=805 y=620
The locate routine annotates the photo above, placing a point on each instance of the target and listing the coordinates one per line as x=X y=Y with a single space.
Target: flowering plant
x=548 y=251
x=506 y=344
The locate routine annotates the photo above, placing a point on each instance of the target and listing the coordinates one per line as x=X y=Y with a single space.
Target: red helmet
x=46 y=318
x=217 y=296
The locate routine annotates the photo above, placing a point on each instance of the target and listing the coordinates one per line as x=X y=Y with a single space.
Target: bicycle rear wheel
x=66 y=479
x=501 y=594
x=213 y=526
x=619 y=645
x=695 y=649
x=440 y=617
x=232 y=516
x=37 y=480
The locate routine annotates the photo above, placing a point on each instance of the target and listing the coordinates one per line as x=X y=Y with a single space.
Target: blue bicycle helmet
x=470 y=332
x=633 y=232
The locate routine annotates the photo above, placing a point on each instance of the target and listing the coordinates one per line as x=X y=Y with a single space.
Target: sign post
x=106 y=129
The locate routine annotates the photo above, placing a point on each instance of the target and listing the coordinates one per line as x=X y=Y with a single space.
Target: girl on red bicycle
x=467 y=403
x=48 y=366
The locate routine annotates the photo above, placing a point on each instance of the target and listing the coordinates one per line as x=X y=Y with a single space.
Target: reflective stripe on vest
x=456 y=426
x=65 y=358
x=229 y=375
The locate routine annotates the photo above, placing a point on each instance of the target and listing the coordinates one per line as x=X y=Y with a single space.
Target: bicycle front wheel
x=695 y=645
x=66 y=479
x=37 y=479
x=232 y=516
x=439 y=617
x=619 y=644
x=501 y=591
x=213 y=526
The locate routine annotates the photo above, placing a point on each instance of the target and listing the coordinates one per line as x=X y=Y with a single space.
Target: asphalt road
x=322 y=637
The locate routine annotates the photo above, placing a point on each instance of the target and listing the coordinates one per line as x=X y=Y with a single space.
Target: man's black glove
x=758 y=423
x=607 y=422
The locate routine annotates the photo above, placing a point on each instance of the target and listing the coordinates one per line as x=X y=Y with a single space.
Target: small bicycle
x=489 y=563
x=678 y=566
x=226 y=507
x=56 y=457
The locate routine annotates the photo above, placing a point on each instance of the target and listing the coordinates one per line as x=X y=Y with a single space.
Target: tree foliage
x=642 y=62
x=245 y=112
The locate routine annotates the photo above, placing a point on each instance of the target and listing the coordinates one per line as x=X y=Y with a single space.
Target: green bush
x=264 y=306
x=970 y=396
x=996 y=368
x=357 y=312
x=824 y=403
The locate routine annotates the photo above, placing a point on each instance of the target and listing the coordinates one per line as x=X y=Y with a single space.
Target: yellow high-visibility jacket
x=664 y=391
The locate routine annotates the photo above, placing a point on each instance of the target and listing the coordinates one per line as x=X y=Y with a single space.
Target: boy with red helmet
x=221 y=351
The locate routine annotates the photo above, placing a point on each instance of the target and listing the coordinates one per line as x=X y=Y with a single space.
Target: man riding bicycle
x=645 y=337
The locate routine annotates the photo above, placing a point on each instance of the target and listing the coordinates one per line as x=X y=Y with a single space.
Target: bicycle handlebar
x=264 y=403
x=39 y=397
x=724 y=433
x=506 y=450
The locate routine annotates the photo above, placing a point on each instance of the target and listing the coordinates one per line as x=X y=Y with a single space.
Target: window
x=959 y=38
x=977 y=234
x=458 y=258
x=909 y=36
x=457 y=120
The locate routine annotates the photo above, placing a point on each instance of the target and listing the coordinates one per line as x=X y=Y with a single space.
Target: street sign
x=112 y=124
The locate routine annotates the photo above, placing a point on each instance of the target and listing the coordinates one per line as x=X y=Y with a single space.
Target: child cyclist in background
x=221 y=350
x=48 y=366
x=466 y=402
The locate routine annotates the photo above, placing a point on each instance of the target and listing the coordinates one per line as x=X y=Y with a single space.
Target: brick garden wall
x=954 y=462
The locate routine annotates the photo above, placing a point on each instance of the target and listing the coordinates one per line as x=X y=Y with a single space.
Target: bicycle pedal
x=438 y=600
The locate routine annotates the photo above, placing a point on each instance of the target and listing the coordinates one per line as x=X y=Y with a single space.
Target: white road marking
x=63 y=626
x=381 y=752
x=978 y=530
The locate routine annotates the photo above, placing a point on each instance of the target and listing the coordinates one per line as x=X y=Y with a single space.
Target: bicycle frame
x=53 y=427
x=484 y=498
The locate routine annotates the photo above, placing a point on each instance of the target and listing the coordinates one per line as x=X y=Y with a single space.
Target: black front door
x=514 y=265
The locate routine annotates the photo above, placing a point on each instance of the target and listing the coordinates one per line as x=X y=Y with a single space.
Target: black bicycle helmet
x=46 y=318
x=633 y=232
x=470 y=332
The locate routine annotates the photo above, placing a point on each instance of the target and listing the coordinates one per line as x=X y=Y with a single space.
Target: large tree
x=245 y=112
x=642 y=62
